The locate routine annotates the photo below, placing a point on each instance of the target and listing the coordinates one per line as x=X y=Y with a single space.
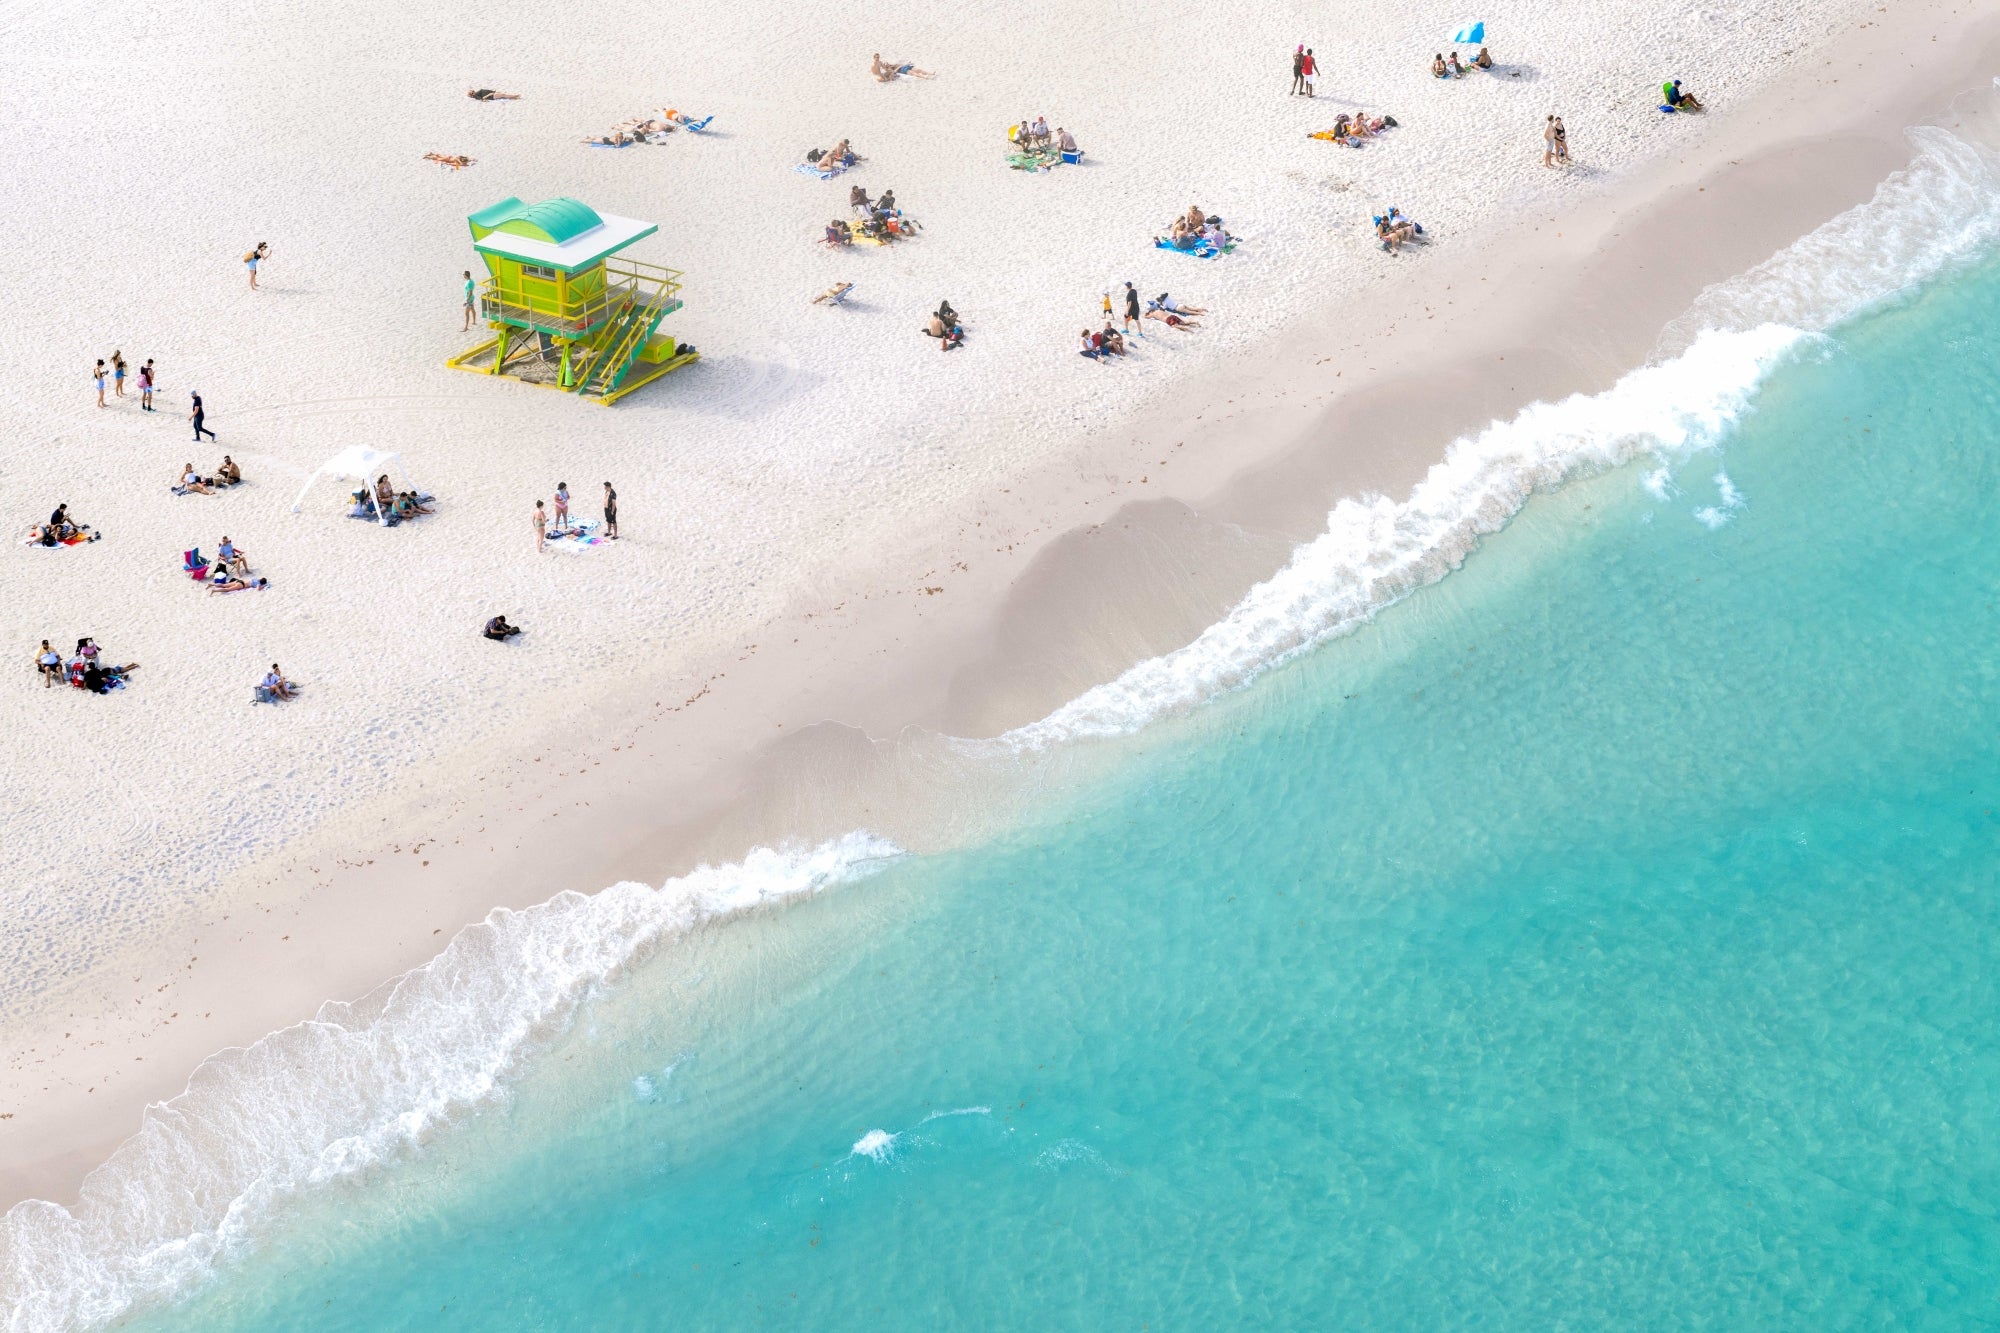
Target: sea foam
x=356 y=1085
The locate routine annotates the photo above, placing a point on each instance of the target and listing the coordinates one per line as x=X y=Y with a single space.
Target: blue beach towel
x=824 y=173
x=697 y=126
x=1202 y=251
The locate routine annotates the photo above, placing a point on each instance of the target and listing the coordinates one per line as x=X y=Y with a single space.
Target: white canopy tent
x=359 y=463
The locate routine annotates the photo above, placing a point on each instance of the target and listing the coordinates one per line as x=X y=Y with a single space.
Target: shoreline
x=1570 y=301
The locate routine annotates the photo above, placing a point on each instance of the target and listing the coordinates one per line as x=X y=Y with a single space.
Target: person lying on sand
x=1484 y=60
x=616 y=139
x=1438 y=70
x=192 y=481
x=456 y=161
x=499 y=630
x=885 y=70
x=1173 y=307
x=488 y=95
x=224 y=581
x=1171 y=320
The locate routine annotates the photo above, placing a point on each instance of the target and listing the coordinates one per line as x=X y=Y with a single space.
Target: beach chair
x=834 y=295
x=194 y=565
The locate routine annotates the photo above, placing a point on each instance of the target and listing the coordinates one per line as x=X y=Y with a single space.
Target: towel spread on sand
x=1202 y=251
x=578 y=536
x=78 y=540
x=824 y=173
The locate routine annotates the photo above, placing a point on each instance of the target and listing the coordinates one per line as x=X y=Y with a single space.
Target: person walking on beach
x=97 y=375
x=1132 y=310
x=195 y=415
x=541 y=528
x=610 y=512
x=118 y=374
x=256 y=256
x=1299 y=69
x=470 y=308
x=1309 y=68
x=146 y=386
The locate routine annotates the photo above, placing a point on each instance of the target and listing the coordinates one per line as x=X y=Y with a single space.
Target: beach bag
x=249 y=255
x=815 y=155
x=1388 y=122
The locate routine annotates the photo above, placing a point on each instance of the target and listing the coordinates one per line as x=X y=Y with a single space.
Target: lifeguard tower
x=565 y=314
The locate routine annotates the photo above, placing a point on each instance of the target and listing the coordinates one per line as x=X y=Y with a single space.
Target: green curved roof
x=554 y=220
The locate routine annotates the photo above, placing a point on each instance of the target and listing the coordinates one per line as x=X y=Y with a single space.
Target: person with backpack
x=251 y=260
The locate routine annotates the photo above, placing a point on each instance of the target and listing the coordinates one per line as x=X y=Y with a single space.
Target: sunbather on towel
x=488 y=95
x=226 y=582
x=193 y=481
x=885 y=70
x=1172 y=320
x=1171 y=306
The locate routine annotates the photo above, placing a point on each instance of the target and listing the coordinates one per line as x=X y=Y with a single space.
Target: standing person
x=1132 y=310
x=146 y=386
x=97 y=375
x=1299 y=69
x=255 y=257
x=1562 y=142
x=470 y=307
x=1549 y=142
x=118 y=373
x=1310 y=69
x=541 y=527
x=195 y=415
x=610 y=512
x=562 y=506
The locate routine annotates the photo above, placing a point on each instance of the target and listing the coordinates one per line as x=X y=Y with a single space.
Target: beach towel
x=834 y=295
x=579 y=536
x=824 y=173
x=77 y=540
x=1202 y=251
x=697 y=126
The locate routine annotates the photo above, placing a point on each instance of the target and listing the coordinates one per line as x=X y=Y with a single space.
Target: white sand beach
x=823 y=519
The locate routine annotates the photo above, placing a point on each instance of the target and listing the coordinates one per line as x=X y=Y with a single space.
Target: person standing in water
x=195 y=415
x=255 y=257
x=471 y=307
x=610 y=512
x=146 y=386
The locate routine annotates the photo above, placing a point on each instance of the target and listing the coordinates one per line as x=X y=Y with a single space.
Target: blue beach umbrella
x=1472 y=34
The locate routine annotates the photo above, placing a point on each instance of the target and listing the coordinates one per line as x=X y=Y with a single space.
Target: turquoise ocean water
x=1605 y=936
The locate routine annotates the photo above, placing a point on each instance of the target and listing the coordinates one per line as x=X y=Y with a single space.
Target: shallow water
x=1605 y=936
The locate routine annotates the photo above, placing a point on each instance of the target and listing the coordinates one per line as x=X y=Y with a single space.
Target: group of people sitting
x=647 y=129
x=1392 y=229
x=877 y=220
x=1351 y=130
x=1036 y=144
x=837 y=158
x=944 y=326
x=230 y=571
x=83 y=669
x=193 y=483
x=61 y=530
x=274 y=688
x=1453 y=68
x=387 y=504
x=1101 y=347
x=887 y=70
x=1194 y=230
